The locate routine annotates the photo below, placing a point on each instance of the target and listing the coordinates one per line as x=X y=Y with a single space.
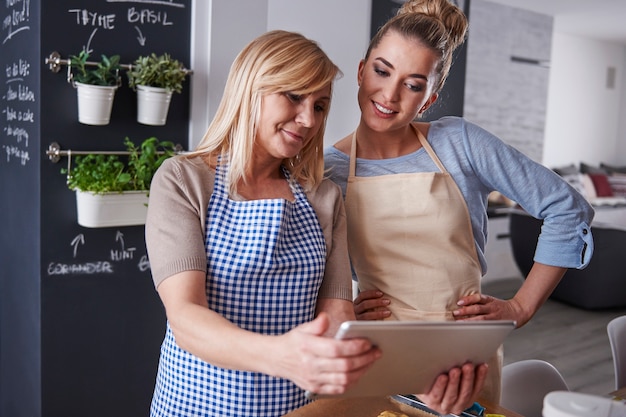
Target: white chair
x=526 y=383
x=617 y=338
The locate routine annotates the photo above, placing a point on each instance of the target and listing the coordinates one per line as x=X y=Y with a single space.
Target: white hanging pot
x=128 y=208
x=95 y=103
x=153 y=104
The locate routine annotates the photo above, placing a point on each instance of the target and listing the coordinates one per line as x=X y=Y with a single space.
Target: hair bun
x=448 y=14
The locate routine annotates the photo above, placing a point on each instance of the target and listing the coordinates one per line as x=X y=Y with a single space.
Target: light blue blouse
x=481 y=163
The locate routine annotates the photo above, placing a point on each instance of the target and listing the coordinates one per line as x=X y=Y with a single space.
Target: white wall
x=340 y=27
x=505 y=97
x=221 y=28
x=584 y=122
x=585 y=119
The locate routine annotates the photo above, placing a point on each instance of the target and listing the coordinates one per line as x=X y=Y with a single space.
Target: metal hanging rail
x=55 y=153
x=55 y=62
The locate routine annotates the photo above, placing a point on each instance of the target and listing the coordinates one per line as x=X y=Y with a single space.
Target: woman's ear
x=429 y=103
x=359 y=75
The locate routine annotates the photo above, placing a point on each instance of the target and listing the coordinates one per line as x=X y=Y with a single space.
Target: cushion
x=613 y=169
x=618 y=184
x=590 y=169
x=590 y=189
x=601 y=184
x=566 y=170
x=581 y=183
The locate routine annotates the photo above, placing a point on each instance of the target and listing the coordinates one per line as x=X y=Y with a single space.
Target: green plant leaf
x=100 y=173
x=106 y=72
x=157 y=71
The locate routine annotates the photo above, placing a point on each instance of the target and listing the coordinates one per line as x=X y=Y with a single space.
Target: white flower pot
x=153 y=104
x=128 y=208
x=95 y=103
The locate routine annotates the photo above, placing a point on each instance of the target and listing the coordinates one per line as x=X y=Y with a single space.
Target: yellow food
x=392 y=414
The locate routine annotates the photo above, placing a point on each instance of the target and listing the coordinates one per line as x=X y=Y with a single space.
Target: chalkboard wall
x=80 y=321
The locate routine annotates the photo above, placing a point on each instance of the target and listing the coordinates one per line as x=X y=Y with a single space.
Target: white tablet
x=416 y=352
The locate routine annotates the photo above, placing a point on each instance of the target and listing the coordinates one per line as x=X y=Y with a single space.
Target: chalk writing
x=85 y=17
x=14 y=151
x=143 y=264
x=137 y=16
x=16 y=20
x=124 y=253
x=117 y=255
x=147 y=16
x=89 y=268
x=157 y=2
x=23 y=93
x=18 y=115
x=18 y=133
x=21 y=68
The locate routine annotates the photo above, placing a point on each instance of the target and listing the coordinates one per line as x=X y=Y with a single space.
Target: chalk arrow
x=140 y=38
x=119 y=237
x=88 y=47
x=78 y=240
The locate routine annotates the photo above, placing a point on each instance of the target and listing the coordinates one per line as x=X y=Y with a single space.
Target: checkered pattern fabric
x=266 y=262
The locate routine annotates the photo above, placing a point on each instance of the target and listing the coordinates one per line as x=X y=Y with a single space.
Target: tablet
x=416 y=352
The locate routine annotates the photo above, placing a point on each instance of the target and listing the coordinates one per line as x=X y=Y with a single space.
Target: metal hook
x=69 y=165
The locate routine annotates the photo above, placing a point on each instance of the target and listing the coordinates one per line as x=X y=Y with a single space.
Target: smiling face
x=396 y=83
x=288 y=121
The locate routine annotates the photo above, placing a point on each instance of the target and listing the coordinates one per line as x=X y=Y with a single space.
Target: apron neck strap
x=428 y=148
x=352 y=169
x=420 y=137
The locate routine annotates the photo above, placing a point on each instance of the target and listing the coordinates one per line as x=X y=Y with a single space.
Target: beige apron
x=410 y=236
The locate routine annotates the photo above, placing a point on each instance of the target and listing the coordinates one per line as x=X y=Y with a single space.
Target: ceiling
x=598 y=19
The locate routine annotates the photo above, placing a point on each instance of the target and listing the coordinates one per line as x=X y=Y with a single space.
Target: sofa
x=602 y=284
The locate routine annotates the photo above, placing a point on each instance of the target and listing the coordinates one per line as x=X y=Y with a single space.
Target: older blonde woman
x=247 y=247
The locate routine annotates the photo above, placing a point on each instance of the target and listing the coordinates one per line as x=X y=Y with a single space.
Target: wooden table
x=372 y=407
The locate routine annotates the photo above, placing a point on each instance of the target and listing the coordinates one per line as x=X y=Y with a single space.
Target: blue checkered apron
x=266 y=262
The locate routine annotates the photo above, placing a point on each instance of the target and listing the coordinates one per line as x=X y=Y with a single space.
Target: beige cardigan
x=175 y=226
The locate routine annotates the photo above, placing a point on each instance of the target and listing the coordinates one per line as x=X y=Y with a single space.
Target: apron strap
x=352 y=169
x=429 y=149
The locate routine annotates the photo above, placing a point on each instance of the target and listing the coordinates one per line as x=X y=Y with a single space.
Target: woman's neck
x=378 y=145
x=265 y=181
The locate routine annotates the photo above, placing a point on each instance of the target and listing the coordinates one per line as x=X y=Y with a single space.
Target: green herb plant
x=99 y=173
x=105 y=73
x=157 y=71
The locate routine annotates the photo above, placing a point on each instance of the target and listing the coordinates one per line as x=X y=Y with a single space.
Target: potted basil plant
x=112 y=190
x=154 y=78
x=95 y=84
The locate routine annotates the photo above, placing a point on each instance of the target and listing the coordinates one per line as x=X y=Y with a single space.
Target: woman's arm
x=338 y=311
x=537 y=287
x=303 y=355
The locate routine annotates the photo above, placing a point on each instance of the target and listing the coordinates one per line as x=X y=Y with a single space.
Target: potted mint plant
x=112 y=190
x=154 y=78
x=96 y=86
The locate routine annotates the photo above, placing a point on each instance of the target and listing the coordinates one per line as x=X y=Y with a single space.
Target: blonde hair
x=437 y=24
x=275 y=62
